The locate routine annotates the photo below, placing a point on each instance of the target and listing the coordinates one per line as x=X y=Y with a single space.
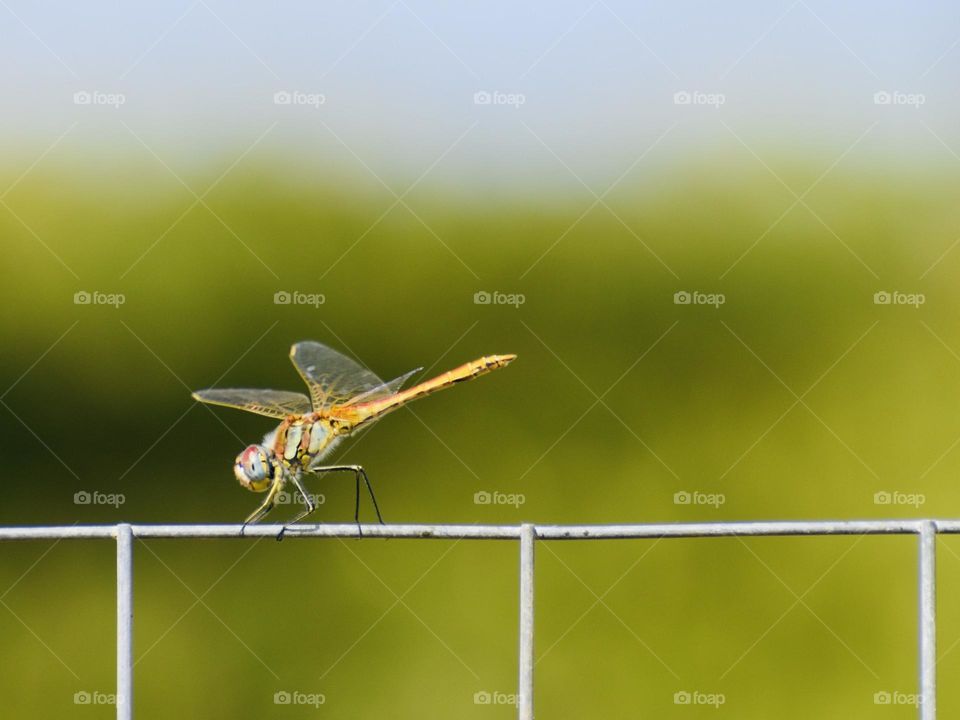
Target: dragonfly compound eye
x=254 y=469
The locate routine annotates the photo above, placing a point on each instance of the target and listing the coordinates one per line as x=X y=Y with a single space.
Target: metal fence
x=527 y=535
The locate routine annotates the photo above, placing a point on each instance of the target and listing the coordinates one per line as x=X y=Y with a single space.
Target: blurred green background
x=799 y=393
x=692 y=398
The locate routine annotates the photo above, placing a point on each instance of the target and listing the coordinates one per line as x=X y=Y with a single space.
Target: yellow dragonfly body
x=344 y=397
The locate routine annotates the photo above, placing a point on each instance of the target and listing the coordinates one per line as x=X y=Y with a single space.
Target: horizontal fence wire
x=495 y=532
x=527 y=535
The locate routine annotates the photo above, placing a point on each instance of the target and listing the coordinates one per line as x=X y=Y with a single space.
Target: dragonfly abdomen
x=364 y=412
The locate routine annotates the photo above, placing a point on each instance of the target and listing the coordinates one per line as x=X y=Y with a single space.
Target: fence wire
x=527 y=536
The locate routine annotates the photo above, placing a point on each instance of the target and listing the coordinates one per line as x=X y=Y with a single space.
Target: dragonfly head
x=256 y=467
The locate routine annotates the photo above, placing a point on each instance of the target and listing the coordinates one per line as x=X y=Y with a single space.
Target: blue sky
x=577 y=90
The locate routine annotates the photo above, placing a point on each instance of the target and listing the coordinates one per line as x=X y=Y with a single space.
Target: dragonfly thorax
x=301 y=441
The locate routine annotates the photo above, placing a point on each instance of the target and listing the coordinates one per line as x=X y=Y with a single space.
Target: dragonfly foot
x=280 y=534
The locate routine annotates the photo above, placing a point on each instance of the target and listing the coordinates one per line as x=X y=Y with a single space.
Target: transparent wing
x=272 y=403
x=387 y=389
x=391 y=387
x=333 y=378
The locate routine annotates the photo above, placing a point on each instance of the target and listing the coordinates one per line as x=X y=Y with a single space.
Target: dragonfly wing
x=272 y=403
x=333 y=378
x=391 y=387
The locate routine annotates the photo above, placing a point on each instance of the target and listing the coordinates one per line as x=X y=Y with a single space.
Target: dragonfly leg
x=310 y=506
x=356 y=505
x=265 y=507
x=372 y=496
x=358 y=472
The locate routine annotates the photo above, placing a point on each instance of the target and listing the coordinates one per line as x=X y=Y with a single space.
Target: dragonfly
x=344 y=398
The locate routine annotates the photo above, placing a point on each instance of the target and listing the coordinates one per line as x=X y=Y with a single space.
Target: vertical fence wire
x=525 y=689
x=124 y=622
x=928 y=620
